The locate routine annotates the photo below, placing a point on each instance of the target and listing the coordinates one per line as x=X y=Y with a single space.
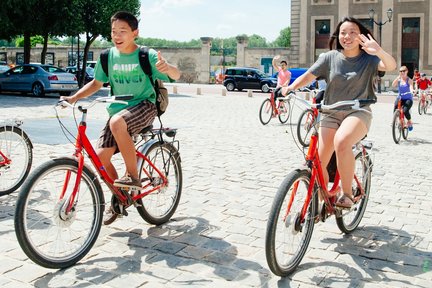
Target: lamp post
x=380 y=24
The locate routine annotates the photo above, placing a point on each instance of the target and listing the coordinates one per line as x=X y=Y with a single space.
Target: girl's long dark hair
x=335 y=36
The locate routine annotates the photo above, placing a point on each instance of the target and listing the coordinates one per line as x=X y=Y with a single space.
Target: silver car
x=38 y=79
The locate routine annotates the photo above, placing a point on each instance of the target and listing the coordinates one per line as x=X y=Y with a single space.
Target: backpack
x=160 y=90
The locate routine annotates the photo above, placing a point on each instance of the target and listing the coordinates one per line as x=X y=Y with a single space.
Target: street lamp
x=380 y=24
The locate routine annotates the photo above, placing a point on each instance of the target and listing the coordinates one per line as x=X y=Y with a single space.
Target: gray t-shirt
x=347 y=78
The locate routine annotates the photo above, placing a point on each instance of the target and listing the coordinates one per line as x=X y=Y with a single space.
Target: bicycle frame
x=83 y=143
x=317 y=177
x=4 y=160
x=401 y=114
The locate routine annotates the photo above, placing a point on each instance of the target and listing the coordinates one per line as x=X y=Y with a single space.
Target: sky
x=184 y=20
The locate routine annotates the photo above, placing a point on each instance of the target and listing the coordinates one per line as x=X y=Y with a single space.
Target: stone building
x=407 y=36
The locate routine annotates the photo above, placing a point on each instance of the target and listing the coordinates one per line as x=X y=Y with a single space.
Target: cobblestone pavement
x=232 y=167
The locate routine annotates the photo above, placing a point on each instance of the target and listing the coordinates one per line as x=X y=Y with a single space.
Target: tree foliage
x=284 y=39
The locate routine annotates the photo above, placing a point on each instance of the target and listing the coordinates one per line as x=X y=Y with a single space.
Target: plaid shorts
x=136 y=117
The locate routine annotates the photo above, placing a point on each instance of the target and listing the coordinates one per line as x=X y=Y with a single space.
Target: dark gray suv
x=248 y=78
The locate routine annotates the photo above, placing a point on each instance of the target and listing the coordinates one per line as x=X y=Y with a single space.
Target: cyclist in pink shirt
x=284 y=75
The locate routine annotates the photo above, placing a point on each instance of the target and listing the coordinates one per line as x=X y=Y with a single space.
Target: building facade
x=408 y=36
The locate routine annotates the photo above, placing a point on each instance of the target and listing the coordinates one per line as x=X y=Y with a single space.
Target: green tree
x=257 y=41
x=284 y=38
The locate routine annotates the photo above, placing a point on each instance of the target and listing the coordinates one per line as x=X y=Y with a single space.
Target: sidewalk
x=232 y=167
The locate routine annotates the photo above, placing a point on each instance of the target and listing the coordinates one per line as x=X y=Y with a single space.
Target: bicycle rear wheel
x=159 y=206
x=305 y=127
x=49 y=235
x=426 y=107
x=284 y=111
x=266 y=112
x=288 y=234
x=16 y=147
x=396 y=127
x=348 y=221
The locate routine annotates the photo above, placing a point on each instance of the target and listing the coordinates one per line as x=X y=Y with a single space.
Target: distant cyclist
x=405 y=88
x=284 y=75
x=423 y=84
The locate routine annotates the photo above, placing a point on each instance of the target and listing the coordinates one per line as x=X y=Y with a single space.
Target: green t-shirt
x=127 y=77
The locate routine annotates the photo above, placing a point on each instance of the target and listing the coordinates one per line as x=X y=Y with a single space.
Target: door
x=410 y=44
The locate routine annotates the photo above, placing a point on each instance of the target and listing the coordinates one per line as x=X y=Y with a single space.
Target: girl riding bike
x=349 y=68
x=405 y=88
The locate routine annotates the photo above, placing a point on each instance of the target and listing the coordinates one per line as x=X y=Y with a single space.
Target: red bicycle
x=272 y=107
x=60 y=206
x=16 y=156
x=423 y=102
x=303 y=199
x=399 y=124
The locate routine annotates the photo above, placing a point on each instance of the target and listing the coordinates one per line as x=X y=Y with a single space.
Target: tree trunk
x=27 y=47
x=44 y=49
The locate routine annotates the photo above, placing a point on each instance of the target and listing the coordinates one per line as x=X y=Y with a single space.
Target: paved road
x=232 y=168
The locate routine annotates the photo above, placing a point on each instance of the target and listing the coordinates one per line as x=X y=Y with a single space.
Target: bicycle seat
x=146 y=129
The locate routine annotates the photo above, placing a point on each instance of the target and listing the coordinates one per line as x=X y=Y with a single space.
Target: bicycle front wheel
x=348 y=221
x=159 y=206
x=420 y=107
x=48 y=234
x=266 y=112
x=284 y=111
x=288 y=233
x=396 y=127
x=16 y=147
x=305 y=127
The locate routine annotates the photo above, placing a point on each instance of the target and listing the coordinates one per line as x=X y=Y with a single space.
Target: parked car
x=248 y=78
x=4 y=68
x=91 y=64
x=89 y=72
x=38 y=79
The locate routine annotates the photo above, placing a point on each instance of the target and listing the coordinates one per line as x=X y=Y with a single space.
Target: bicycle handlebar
x=352 y=104
x=120 y=99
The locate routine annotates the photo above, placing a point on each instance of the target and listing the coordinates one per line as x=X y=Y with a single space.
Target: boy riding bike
x=126 y=77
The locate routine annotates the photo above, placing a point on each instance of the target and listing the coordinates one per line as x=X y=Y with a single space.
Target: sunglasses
x=402 y=71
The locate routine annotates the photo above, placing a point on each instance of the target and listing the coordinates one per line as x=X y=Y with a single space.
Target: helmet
x=423 y=74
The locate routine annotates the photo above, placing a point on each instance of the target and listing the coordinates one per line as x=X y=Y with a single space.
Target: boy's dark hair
x=284 y=62
x=335 y=36
x=127 y=17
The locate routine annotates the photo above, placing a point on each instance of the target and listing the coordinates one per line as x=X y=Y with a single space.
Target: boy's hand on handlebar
x=69 y=99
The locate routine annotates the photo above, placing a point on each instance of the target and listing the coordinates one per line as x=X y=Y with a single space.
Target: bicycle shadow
x=184 y=244
x=7 y=211
x=414 y=141
x=378 y=250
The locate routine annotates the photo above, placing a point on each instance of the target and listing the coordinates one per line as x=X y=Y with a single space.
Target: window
x=322 y=36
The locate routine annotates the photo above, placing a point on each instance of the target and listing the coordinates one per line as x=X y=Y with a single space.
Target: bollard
x=250 y=93
x=174 y=89
x=198 y=91
x=224 y=91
